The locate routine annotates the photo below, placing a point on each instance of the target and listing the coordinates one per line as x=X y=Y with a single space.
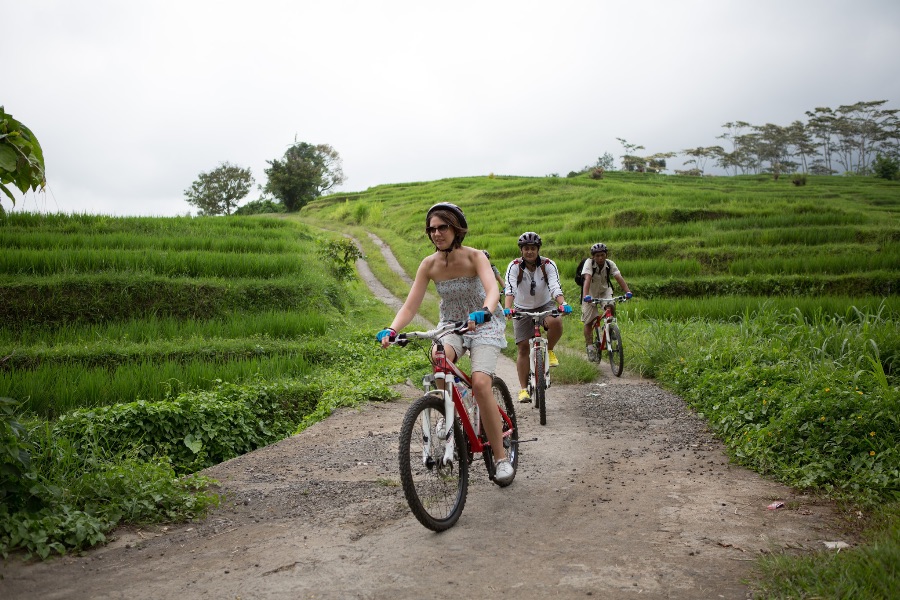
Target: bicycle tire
x=616 y=351
x=504 y=399
x=598 y=342
x=436 y=494
x=540 y=385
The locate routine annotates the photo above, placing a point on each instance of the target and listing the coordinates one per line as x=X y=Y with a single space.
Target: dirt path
x=624 y=494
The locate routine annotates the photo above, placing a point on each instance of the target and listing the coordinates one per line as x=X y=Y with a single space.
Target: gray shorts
x=524 y=328
x=483 y=356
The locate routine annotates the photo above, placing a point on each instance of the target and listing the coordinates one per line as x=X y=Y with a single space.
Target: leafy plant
x=16 y=474
x=342 y=256
x=21 y=157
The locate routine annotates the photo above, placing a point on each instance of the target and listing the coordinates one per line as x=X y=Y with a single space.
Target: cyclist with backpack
x=593 y=276
x=532 y=284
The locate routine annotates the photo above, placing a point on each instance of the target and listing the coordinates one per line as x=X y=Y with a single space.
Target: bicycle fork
x=539 y=345
x=444 y=427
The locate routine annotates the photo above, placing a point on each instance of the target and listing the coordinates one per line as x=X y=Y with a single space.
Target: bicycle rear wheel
x=436 y=493
x=511 y=443
x=616 y=352
x=540 y=384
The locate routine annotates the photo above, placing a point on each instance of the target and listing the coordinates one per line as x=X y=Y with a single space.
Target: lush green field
x=154 y=347
x=772 y=309
x=157 y=347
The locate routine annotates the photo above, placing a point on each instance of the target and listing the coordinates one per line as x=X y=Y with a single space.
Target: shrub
x=597 y=173
x=260 y=207
x=886 y=167
x=798 y=179
x=197 y=429
x=16 y=475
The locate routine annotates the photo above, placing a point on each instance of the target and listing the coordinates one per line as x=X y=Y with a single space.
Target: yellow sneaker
x=524 y=397
x=554 y=362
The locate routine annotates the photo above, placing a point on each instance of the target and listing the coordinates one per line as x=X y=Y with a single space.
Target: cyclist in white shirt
x=532 y=284
x=597 y=273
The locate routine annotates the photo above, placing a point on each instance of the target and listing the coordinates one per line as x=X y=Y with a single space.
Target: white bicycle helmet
x=599 y=248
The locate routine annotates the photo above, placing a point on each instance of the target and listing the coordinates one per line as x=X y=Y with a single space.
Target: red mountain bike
x=442 y=432
x=607 y=337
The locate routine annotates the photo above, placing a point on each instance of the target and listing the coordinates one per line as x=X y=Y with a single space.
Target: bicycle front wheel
x=540 y=385
x=598 y=343
x=511 y=442
x=616 y=352
x=435 y=492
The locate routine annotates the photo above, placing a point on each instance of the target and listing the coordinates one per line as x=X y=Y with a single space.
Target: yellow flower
x=827 y=389
x=872 y=434
x=860 y=393
x=871 y=453
x=822 y=419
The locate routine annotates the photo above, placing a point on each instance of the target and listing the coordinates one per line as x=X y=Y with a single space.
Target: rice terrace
x=138 y=352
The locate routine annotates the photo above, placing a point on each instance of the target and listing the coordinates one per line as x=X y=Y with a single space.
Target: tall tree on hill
x=630 y=160
x=863 y=130
x=219 y=191
x=305 y=173
x=700 y=155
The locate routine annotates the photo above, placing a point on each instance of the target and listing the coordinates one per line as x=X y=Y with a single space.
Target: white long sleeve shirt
x=545 y=290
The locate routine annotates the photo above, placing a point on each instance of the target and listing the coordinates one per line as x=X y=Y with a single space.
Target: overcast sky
x=131 y=101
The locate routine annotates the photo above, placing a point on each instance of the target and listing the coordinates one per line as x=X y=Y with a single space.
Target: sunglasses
x=442 y=228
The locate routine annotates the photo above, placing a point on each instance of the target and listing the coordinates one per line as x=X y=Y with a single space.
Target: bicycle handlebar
x=615 y=300
x=522 y=314
x=435 y=334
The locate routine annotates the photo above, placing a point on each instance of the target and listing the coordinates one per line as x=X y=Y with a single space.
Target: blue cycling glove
x=480 y=316
x=507 y=312
x=587 y=299
x=628 y=295
x=384 y=333
x=565 y=308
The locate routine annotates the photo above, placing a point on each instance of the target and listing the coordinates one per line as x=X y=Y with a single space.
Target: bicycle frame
x=540 y=345
x=446 y=374
x=607 y=335
x=607 y=319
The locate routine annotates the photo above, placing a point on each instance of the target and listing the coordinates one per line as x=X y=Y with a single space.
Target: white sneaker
x=592 y=353
x=503 y=471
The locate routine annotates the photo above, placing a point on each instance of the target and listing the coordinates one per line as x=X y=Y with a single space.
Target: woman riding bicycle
x=532 y=283
x=597 y=273
x=466 y=285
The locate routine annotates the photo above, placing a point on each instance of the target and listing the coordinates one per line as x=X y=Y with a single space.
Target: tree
x=305 y=173
x=219 y=191
x=701 y=154
x=735 y=158
x=606 y=162
x=630 y=161
x=21 y=158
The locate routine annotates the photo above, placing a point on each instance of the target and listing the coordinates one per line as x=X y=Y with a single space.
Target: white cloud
x=131 y=101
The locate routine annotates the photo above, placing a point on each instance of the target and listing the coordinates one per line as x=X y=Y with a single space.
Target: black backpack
x=579 y=278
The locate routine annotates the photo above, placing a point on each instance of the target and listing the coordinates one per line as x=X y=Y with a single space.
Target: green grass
x=771 y=309
x=868 y=571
